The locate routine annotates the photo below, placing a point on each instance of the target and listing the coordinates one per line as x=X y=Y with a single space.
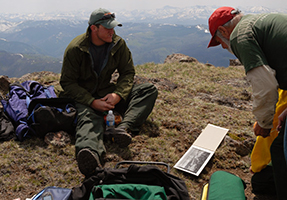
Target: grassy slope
x=190 y=97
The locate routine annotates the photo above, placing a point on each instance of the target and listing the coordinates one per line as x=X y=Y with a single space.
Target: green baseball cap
x=104 y=17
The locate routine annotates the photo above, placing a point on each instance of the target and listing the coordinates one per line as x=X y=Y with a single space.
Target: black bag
x=52 y=115
x=174 y=187
x=6 y=128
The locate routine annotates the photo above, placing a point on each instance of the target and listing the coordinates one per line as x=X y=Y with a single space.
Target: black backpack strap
x=142 y=163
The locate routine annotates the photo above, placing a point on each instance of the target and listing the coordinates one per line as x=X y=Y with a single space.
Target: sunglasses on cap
x=235 y=12
x=107 y=16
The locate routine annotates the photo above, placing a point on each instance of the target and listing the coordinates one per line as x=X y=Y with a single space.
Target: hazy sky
x=36 y=6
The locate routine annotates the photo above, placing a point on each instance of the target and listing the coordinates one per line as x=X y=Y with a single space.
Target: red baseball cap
x=218 y=18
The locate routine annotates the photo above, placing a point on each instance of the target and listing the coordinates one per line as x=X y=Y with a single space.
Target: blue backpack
x=18 y=100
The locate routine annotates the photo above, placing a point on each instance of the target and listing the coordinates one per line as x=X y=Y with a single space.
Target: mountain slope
x=147 y=42
x=19 y=47
x=16 y=65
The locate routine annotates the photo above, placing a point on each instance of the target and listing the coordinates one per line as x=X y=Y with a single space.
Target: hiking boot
x=118 y=136
x=58 y=139
x=88 y=161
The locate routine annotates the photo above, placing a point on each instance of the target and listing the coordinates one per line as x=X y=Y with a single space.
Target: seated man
x=90 y=61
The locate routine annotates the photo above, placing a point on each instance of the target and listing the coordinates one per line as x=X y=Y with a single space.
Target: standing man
x=260 y=43
x=89 y=64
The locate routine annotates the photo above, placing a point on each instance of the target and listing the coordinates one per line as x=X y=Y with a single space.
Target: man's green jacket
x=79 y=80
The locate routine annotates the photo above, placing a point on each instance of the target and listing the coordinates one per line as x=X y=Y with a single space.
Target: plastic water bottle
x=110 y=120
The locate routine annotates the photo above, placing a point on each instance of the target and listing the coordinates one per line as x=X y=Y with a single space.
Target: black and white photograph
x=194 y=160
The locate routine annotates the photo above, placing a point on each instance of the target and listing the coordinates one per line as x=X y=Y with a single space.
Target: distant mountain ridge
x=151 y=35
x=167 y=14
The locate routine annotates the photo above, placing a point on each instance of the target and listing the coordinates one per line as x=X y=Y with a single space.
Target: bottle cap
x=110 y=112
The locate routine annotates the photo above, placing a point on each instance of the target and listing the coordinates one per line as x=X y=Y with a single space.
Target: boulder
x=178 y=57
x=234 y=62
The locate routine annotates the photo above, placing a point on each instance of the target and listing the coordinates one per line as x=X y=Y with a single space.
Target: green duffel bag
x=128 y=191
x=224 y=186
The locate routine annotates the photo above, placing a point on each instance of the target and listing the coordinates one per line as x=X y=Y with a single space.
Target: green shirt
x=262 y=40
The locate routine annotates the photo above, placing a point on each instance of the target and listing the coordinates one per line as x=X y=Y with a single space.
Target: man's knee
x=148 y=89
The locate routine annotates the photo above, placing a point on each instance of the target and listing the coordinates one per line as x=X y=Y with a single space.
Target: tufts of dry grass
x=191 y=95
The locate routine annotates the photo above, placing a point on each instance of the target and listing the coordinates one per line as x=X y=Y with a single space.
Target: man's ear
x=224 y=32
x=93 y=27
